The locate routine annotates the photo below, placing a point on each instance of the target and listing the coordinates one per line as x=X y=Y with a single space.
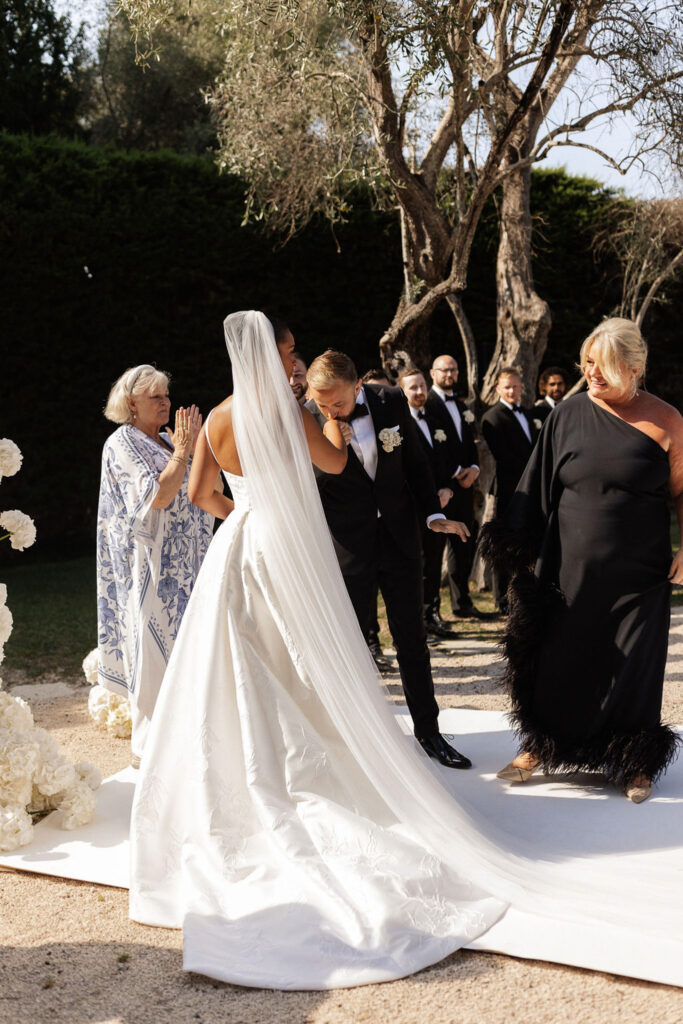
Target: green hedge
x=167 y=259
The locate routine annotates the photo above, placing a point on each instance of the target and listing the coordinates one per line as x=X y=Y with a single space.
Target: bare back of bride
x=283 y=818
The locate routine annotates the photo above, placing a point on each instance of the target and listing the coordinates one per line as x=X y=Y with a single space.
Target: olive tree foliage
x=438 y=106
x=160 y=102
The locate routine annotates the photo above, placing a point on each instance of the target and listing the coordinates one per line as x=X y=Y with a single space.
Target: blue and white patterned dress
x=147 y=563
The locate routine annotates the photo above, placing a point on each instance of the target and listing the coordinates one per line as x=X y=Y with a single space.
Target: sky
x=615 y=139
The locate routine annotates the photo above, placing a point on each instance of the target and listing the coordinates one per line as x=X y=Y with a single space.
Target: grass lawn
x=55 y=615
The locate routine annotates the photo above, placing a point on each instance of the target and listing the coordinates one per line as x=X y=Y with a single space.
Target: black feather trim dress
x=586 y=637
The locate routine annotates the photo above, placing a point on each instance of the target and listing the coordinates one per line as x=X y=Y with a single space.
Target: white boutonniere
x=538 y=424
x=390 y=439
x=468 y=416
x=439 y=435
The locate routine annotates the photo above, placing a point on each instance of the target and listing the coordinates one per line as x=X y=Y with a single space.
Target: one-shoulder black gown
x=586 y=637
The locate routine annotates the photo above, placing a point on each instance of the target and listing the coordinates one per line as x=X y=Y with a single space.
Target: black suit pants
x=459 y=554
x=400 y=580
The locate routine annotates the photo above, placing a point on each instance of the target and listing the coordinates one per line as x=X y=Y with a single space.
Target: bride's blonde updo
x=134 y=381
x=618 y=347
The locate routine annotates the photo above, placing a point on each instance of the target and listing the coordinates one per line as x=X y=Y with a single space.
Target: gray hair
x=134 y=381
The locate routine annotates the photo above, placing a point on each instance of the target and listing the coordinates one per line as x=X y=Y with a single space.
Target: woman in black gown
x=586 y=638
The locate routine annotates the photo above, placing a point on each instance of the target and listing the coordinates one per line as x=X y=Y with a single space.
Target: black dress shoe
x=470 y=612
x=435 y=626
x=437 y=747
x=379 y=657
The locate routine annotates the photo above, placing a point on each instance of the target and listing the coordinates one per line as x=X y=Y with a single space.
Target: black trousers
x=400 y=580
x=459 y=555
x=432 y=557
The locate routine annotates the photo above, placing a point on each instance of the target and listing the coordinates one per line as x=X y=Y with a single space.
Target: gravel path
x=70 y=955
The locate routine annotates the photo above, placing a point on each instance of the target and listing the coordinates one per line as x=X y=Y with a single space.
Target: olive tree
x=437 y=106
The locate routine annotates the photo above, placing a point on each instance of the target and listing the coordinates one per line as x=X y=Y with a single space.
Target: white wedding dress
x=282 y=818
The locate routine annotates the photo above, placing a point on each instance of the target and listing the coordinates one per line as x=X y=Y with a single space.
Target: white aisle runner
x=584 y=819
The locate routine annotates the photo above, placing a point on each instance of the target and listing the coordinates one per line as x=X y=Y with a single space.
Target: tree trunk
x=523 y=317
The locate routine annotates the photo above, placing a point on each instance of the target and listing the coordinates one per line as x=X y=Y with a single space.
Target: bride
x=282 y=818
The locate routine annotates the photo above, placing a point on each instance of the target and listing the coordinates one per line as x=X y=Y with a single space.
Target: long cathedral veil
x=333 y=659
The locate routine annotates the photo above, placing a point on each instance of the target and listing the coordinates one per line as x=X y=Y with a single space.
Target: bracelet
x=178 y=458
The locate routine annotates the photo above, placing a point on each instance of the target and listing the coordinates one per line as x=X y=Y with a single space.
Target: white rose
x=16 y=828
x=6 y=623
x=77 y=805
x=15 y=714
x=439 y=435
x=10 y=458
x=3 y=594
x=390 y=439
x=468 y=416
x=40 y=802
x=89 y=774
x=538 y=424
x=55 y=775
x=119 y=722
x=21 y=528
x=90 y=665
x=19 y=758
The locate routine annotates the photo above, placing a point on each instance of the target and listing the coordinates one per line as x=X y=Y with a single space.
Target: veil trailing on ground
x=333 y=660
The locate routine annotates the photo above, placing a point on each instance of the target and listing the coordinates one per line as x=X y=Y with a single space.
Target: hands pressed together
x=188 y=423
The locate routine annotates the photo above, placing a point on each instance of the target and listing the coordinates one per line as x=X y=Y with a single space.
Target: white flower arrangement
x=90 y=666
x=111 y=712
x=34 y=776
x=10 y=457
x=390 y=439
x=440 y=435
x=468 y=416
x=19 y=527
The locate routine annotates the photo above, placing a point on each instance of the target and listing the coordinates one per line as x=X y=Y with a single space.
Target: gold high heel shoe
x=513 y=773
x=637 y=794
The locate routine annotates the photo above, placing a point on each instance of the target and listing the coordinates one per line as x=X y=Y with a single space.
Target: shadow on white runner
x=587 y=819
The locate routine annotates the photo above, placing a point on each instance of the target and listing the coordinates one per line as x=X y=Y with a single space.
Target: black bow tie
x=516 y=408
x=420 y=414
x=360 y=409
x=449 y=398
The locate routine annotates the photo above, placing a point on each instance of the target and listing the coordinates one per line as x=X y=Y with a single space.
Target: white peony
x=90 y=665
x=98 y=705
x=47 y=744
x=77 y=805
x=40 y=802
x=21 y=528
x=3 y=593
x=6 y=623
x=15 y=827
x=18 y=761
x=10 y=457
x=15 y=714
x=119 y=722
x=89 y=774
x=55 y=775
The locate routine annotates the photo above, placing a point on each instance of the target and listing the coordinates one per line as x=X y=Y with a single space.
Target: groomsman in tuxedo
x=434 y=444
x=448 y=413
x=372 y=510
x=552 y=385
x=510 y=433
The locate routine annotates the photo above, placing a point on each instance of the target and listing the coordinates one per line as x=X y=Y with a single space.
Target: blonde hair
x=617 y=346
x=330 y=368
x=134 y=381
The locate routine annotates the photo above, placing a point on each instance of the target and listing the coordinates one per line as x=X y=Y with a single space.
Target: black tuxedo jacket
x=541 y=410
x=460 y=452
x=510 y=448
x=436 y=453
x=402 y=490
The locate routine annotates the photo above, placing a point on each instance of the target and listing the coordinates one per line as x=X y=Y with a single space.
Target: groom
x=371 y=512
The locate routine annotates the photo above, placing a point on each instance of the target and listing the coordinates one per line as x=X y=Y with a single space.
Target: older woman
x=150 y=540
x=587 y=636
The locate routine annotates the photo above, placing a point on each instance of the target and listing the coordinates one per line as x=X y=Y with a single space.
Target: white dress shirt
x=454 y=413
x=520 y=417
x=422 y=424
x=363 y=439
x=551 y=401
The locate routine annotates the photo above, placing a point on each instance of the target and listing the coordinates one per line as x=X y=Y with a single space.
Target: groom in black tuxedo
x=372 y=510
x=510 y=432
